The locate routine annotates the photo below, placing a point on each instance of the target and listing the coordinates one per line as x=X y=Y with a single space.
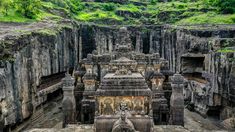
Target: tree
x=75 y=6
x=226 y=6
x=28 y=8
x=5 y=5
x=153 y=2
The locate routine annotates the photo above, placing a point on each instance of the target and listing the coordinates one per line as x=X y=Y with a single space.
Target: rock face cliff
x=42 y=57
x=103 y=39
x=205 y=55
x=37 y=55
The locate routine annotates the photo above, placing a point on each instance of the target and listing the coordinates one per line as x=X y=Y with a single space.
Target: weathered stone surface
x=36 y=55
x=194 y=51
x=68 y=103
x=177 y=100
x=86 y=128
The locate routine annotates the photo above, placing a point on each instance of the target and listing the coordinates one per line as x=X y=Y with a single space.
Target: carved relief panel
x=141 y=69
x=110 y=105
x=89 y=84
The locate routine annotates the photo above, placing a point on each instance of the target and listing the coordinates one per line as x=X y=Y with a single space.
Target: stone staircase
x=38 y=116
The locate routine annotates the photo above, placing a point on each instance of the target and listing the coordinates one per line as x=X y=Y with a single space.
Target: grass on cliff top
x=209 y=18
x=97 y=15
x=131 y=8
x=13 y=16
x=177 y=6
x=174 y=12
x=226 y=50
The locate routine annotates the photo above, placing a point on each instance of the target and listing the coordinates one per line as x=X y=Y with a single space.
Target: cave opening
x=86 y=118
x=53 y=95
x=214 y=112
x=192 y=67
x=164 y=119
x=47 y=81
x=88 y=40
x=146 y=43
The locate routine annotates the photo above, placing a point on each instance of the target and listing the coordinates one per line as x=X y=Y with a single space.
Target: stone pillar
x=88 y=101
x=159 y=102
x=78 y=91
x=104 y=69
x=138 y=42
x=68 y=103
x=177 y=100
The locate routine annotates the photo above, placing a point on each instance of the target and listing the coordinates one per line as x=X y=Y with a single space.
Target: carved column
x=177 y=100
x=88 y=101
x=68 y=103
x=159 y=102
x=78 y=91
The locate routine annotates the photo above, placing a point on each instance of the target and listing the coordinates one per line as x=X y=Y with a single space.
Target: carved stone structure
x=123 y=124
x=68 y=103
x=123 y=85
x=105 y=82
x=177 y=100
x=159 y=102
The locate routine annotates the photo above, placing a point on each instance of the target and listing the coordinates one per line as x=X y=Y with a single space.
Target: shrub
x=28 y=8
x=153 y=2
x=108 y=7
x=227 y=6
x=75 y=5
x=224 y=6
x=5 y=5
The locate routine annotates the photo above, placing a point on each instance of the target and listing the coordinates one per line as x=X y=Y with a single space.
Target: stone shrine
x=126 y=90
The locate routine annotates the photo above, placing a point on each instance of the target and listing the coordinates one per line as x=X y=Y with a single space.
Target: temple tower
x=123 y=46
x=177 y=100
x=68 y=103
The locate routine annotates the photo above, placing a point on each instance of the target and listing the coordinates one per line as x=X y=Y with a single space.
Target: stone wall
x=144 y=38
x=218 y=65
x=36 y=55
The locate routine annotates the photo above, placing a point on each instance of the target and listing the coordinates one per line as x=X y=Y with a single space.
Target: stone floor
x=51 y=122
x=89 y=128
x=195 y=122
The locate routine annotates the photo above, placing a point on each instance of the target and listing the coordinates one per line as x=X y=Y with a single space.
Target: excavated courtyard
x=51 y=121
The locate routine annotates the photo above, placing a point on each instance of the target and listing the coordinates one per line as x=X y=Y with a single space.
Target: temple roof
x=121 y=85
x=127 y=76
x=123 y=60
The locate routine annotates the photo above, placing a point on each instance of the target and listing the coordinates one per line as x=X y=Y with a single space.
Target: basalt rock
x=37 y=56
x=199 y=53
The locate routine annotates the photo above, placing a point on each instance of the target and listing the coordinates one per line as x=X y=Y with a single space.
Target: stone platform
x=89 y=128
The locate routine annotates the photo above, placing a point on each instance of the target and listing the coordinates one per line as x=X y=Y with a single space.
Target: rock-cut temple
x=123 y=91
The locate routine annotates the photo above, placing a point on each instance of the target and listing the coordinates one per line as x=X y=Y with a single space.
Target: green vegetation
x=6 y=5
x=13 y=16
x=131 y=12
x=224 y=6
x=226 y=50
x=130 y=8
x=209 y=17
x=97 y=15
x=28 y=8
